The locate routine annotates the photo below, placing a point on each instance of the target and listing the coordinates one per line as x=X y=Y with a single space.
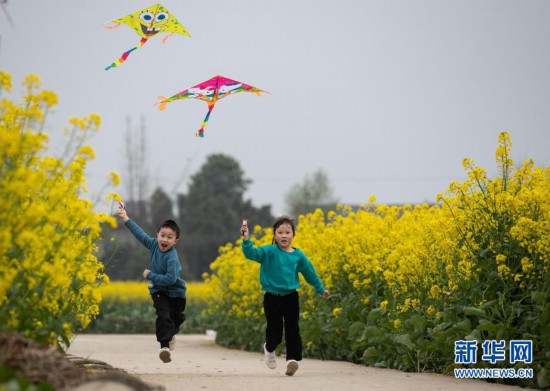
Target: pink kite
x=210 y=91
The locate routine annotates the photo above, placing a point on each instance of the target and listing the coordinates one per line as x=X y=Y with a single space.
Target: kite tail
x=200 y=132
x=126 y=54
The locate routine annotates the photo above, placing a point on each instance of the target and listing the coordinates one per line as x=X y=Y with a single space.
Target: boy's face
x=166 y=238
x=283 y=236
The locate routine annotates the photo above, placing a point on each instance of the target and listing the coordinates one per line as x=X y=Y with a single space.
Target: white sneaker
x=291 y=367
x=269 y=358
x=172 y=343
x=164 y=355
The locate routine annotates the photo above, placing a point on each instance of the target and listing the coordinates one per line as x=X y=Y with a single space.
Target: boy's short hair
x=172 y=225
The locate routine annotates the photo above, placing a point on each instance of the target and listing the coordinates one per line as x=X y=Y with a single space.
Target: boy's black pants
x=170 y=316
x=283 y=311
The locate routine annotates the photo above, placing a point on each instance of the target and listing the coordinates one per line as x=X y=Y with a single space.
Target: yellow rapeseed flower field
x=136 y=291
x=48 y=233
x=407 y=281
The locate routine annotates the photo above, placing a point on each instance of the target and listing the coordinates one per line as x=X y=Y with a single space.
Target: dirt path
x=199 y=364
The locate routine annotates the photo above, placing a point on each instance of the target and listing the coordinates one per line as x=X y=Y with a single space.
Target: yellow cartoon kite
x=147 y=23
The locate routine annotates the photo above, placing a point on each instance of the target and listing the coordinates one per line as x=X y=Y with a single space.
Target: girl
x=280 y=265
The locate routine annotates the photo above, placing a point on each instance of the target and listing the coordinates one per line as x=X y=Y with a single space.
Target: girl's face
x=283 y=236
x=166 y=238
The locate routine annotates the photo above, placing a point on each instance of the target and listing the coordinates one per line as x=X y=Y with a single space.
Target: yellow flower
x=78 y=122
x=5 y=81
x=32 y=82
x=114 y=178
x=526 y=265
x=467 y=163
x=86 y=151
x=49 y=98
x=94 y=121
x=336 y=311
x=114 y=196
x=503 y=271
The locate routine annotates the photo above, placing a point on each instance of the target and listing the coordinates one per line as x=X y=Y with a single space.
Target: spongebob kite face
x=151 y=23
x=152 y=20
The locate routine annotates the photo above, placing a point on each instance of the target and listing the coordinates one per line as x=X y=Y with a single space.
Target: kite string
x=237 y=184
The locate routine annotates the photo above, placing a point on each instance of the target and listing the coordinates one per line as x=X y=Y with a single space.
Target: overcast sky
x=387 y=97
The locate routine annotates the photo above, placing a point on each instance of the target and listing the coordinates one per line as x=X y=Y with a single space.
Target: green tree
x=210 y=213
x=315 y=191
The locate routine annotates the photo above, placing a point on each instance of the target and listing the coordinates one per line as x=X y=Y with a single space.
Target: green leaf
x=371 y=355
x=417 y=322
x=465 y=326
x=356 y=331
x=543 y=378
x=475 y=335
x=475 y=312
x=375 y=314
x=545 y=314
x=488 y=326
x=404 y=339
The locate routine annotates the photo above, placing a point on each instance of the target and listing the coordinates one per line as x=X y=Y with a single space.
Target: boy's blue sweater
x=165 y=267
x=279 y=269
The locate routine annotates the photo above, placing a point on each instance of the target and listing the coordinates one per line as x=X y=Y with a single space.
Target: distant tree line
x=209 y=214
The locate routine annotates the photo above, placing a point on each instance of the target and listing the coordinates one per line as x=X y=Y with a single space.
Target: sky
x=387 y=97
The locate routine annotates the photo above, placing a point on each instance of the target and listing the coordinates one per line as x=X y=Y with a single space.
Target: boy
x=166 y=287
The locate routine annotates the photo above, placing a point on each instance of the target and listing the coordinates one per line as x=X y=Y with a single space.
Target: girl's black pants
x=283 y=312
x=170 y=316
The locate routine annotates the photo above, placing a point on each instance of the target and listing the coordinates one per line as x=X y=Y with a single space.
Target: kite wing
x=147 y=23
x=195 y=92
x=226 y=87
x=211 y=91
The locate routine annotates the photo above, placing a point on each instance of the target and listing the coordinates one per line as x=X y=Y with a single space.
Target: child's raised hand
x=122 y=213
x=244 y=231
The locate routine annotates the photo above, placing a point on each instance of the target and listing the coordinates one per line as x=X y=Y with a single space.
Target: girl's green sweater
x=279 y=269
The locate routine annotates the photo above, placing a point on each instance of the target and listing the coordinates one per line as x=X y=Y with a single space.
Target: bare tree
x=137 y=169
x=3 y=4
